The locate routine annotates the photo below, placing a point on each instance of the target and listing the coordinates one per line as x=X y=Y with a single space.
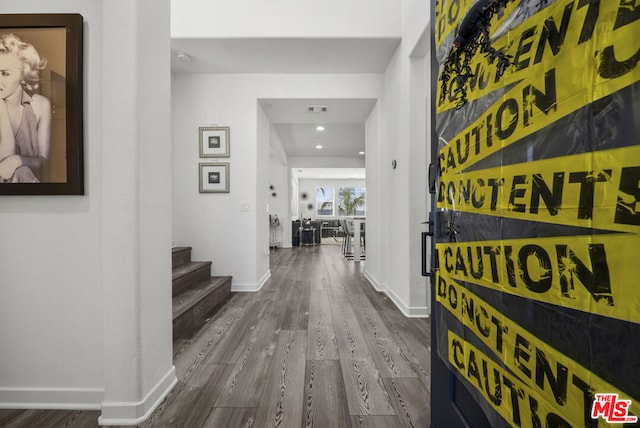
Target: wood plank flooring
x=316 y=347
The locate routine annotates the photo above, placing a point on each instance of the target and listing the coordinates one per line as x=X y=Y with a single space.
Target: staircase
x=196 y=294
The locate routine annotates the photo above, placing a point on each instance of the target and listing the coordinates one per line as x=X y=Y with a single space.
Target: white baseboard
x=51 y=398
x=408 y=311
x=244 y=288
x=133 y=413
x=376 y=285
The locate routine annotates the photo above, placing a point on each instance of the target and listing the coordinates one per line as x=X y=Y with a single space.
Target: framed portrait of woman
x=41 y=104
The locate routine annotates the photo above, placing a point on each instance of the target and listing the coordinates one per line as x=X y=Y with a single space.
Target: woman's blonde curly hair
x=32 y=62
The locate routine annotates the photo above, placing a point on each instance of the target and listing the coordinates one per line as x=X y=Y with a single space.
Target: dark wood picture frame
x=59 y=39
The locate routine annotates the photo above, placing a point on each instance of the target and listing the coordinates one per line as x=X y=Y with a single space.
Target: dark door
x=452 y=405
x=535 y=211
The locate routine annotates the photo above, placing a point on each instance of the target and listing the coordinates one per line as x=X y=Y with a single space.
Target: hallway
x=316 y=347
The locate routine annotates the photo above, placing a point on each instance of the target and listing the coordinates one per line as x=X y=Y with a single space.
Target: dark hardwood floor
x=316 y=347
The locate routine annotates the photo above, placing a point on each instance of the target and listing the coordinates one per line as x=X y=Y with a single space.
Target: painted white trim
x=51 y=398
x=376 y=285
x=132 y=413
x=251 y=288
x=410 y=312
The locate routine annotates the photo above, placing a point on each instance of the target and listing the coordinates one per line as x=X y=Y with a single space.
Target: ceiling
x=331 y=173
x=282 y=56
x=344 y=120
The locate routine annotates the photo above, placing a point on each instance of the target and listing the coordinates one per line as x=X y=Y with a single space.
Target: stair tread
x=186 y=268
x=179 y=249
x=191 y=296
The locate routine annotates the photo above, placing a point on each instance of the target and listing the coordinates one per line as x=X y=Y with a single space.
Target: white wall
x=416 y=37
x=263 y=145
x=396 y=187
x=284 y=18
x=294 y=190
x=136 y=143
x=415 y=17
x=213 y=224
x=280 y=204
x=400 y=195
x=377 y=207
x=85 y=280
x=419 y=197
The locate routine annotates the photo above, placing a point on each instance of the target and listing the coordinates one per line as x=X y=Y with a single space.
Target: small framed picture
x=214 y=177
x=214 y=142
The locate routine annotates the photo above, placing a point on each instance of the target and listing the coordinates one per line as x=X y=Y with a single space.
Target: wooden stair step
x=187 y=274
x=188 y=298
x=194 y=306
x=180 y=255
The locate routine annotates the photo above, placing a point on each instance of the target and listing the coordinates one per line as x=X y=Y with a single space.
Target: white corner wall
x=85 y=280
x=280 y=204
x=401 y=194
x=216 y=225
x=377 y=207
x=220 y=227
x=138 y=366
x=263 y=144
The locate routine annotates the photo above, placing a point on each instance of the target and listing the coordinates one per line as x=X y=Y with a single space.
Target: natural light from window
x=349 y=201
x=325 y=201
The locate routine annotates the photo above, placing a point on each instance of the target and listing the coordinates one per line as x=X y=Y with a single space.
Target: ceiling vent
x=317 y=109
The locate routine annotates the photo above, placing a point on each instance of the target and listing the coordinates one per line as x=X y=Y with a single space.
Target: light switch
x=245 y=206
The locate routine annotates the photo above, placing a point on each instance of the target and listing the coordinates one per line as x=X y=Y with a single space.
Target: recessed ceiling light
x=319 y=146
x=319 y=128
x=361 y=153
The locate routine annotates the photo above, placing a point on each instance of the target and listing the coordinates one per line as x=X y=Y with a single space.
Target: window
x=351 y=201
x=324 y=201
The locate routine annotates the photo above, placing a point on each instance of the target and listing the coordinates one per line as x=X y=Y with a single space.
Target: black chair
x=330 y=229
x=349 y=235
x=295 y=233
x=308 y=235
x=305 y=232
x=346 y=239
